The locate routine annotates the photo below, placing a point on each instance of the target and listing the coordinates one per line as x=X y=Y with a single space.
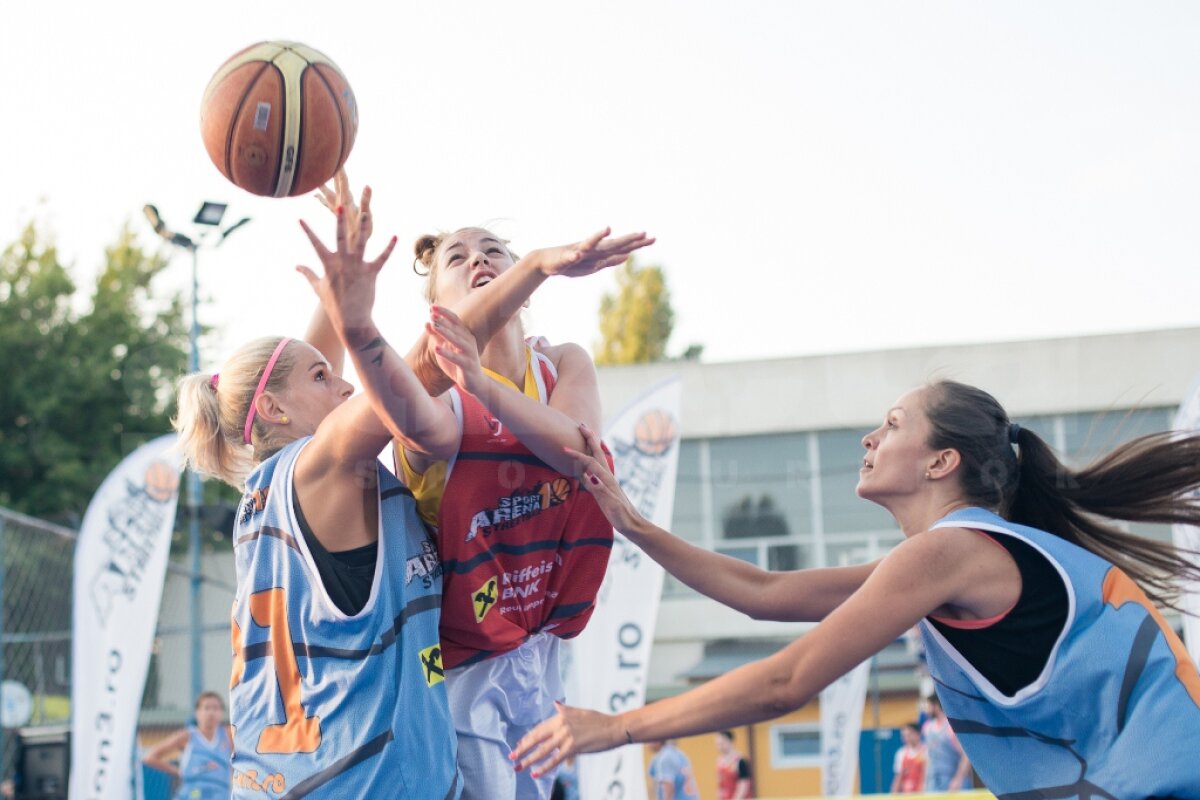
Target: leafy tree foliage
x=636 y=323
x=87 y=379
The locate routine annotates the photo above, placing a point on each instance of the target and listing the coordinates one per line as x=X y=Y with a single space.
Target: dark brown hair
x=1149 y=479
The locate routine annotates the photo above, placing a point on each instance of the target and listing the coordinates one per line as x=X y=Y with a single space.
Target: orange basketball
x=161 y=481
x=278 y=119
x=560 y=490
x=654 y=433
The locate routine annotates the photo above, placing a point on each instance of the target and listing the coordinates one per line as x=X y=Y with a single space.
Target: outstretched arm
x=913 y=580
x=485 y=313
x=347 y=293
x=545 y=429
x=798 y=596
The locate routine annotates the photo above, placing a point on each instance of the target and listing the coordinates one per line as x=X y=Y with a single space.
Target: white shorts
x=493 y=704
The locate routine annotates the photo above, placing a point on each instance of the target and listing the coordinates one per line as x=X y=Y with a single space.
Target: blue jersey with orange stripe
x=523 y=548
x=1114 y=714
x=204 y=766
x=326 y=705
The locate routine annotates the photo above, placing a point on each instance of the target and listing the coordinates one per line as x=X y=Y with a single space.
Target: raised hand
x=341 y=197
x=570 y=732
x=347 y=289
x=593 y=254
x=601 y=484
x=455 y=349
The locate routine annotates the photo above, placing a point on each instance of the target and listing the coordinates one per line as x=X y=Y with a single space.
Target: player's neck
x=505 y=354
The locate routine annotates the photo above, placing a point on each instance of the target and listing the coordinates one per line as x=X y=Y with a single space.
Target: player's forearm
x=729 y=581
x=397 y=396
x=489 y=309
x=544 y=430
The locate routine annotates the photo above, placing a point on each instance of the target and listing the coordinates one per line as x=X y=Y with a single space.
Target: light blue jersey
x=672 y=767
x=326 y=705
x=204 y=766
x=1114 y=714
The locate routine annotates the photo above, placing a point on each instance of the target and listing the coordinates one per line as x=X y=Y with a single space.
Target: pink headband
x=262 y=384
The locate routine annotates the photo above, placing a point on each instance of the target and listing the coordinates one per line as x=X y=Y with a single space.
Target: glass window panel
x=848 y=552
x=1092 y=434
x=781 y=557
x=797 y=744
x=687 y=517
x=747 y=554
x=843 y=511
x=761 y=485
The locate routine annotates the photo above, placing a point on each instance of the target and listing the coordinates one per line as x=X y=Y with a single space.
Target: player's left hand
x=569 y=732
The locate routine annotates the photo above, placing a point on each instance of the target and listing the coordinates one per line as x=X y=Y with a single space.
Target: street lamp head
x=160 y=227
x=210 y=213
x=151 y=213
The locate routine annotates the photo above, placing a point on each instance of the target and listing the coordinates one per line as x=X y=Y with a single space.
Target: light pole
x=209 y=215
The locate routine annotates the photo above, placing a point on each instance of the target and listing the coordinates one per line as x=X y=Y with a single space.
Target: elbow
x=759 y=612
x=782 y=694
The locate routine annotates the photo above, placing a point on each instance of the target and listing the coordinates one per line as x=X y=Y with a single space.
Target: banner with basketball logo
x=1188 y=536
x=607 y=663
x=120 y=564
x=842 y=705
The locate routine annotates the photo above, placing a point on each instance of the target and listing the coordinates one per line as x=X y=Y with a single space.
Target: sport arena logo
x=518 y=506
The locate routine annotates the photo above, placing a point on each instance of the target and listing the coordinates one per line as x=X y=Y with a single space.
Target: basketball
x=278 y=119
x=161 y=481
x=654 y=433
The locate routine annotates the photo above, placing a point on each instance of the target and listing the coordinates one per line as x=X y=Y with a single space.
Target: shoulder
x=935 y=550
x=565 y=354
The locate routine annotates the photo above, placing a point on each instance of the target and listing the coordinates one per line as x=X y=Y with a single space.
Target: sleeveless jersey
x=523 y=549
x=1116 y=711
x=326 y=705
x=909 y=767
x=728 y=775
x=204 y=766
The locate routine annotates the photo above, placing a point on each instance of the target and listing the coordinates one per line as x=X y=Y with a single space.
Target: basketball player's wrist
x=358 y=333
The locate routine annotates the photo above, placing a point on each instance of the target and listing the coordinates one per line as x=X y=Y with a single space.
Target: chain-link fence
x=36 y=560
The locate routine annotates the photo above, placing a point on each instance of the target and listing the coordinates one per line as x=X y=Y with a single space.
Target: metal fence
x=36 y=564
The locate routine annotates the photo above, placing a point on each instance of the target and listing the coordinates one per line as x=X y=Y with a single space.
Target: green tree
x=635 y=323
x=85 y=382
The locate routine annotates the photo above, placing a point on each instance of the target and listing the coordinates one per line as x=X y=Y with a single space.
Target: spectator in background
x=671 y=772
x=949 y=770
x=204 y=770
x=911 y=761
x=733 y=770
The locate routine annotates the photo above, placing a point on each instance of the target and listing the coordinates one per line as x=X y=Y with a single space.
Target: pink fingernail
x=595 y=481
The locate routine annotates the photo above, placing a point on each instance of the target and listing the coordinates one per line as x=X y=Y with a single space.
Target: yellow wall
x=894 y=711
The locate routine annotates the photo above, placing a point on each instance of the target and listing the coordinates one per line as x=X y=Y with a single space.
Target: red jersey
x=523 y=549
x=910 y=767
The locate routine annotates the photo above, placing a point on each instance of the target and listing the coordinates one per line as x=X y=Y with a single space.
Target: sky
x=821 y=176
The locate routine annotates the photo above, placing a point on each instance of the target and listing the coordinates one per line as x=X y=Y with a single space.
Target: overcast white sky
x=821 y=177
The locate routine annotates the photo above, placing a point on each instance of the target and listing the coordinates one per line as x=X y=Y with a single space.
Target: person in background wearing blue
x=671 y=772
x=949 y=769
x=203 y=771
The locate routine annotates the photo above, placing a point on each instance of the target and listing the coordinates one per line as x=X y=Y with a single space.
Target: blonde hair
x=427 y=248
x=212 y=413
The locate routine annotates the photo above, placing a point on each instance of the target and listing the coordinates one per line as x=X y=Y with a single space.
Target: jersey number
x=298 y=733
